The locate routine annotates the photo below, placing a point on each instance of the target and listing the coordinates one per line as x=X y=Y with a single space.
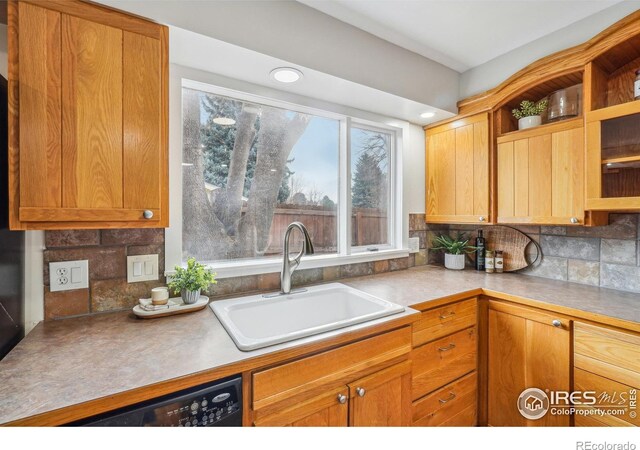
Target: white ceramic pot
x=189 y=297
x=529 y=122
x=455 y=262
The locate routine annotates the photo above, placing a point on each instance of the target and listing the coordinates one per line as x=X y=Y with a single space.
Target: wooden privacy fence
x=369 y=226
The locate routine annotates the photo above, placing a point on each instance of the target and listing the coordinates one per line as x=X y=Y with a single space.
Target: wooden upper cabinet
x=457 y=173
x=541 y=175
x=88 y=117
x=613 y=158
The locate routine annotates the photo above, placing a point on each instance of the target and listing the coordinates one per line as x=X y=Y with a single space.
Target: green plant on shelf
x=529 y=108
x=457 y=245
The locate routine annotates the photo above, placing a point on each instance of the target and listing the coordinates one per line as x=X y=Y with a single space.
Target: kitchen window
x=251 y=166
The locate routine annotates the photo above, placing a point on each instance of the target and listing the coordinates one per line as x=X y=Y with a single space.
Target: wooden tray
x=181 y=308
x=513 y=244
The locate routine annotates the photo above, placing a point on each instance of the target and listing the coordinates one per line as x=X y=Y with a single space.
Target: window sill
x=238 y=269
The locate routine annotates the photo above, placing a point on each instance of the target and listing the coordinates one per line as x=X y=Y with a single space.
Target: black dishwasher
x=217 y=404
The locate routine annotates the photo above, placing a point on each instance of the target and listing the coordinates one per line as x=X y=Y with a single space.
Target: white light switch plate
x=414 y=245
x=142 y=268
x=68 y=275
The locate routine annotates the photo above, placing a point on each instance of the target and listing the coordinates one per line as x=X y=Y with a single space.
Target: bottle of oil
x=480 y=249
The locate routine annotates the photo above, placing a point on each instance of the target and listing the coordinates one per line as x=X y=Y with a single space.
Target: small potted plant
x=191 y=280
x=454 y=249
x=528 y=114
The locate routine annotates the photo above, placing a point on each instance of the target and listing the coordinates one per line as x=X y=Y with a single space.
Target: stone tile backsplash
x=108 y=289
x=607 y=256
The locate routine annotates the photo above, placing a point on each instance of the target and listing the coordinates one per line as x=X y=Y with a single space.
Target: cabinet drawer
x=444 y=404
x=618 y=393
x=327 y=369
x=443 y=361
x=466 y=418
x=612 y=354
x=444 y=320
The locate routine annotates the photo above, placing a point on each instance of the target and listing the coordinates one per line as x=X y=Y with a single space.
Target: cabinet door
x=458 y=171
x=88 y=122
x=91 y=115
x=613 y=158
x=525 y=352
x=382 y=399
x=541 y=175
x=326 y=410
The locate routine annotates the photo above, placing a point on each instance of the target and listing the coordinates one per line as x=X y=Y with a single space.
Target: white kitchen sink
x=255 y=322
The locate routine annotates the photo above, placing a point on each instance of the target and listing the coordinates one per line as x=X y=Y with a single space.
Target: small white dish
x=174 y=306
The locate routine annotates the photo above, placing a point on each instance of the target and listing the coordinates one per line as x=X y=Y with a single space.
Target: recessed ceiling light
x=224 y=121
x=187 y=164
x=427 y=115
x=286 y=74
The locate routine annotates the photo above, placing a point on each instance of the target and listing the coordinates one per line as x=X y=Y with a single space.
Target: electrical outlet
x=142 y=268
x=414 y=245
x=68 y=275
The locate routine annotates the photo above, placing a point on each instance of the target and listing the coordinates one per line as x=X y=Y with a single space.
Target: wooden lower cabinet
x=365 y=383
x=327 y=410
x=525 y=350
x=382 y=399
x=607 y=362
x=452 y=405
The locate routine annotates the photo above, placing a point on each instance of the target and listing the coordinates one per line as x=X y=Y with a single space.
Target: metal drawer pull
x=447 y=348
x=360 y=391
x=342 y=399
x=447 y=400
x=556 y=323
x=446 y=316
x=147 y=214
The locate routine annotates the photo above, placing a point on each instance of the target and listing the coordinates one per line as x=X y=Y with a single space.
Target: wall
x=606 y=256
x=108 y=289
x=492 y=73
x=302 y=35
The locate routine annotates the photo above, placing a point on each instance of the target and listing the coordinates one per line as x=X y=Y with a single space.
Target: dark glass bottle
x=481 y=246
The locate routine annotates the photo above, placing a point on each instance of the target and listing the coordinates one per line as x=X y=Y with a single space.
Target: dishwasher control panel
x=213 y=404
x=201 y=411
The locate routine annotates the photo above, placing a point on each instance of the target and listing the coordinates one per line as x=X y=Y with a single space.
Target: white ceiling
x=460 y=34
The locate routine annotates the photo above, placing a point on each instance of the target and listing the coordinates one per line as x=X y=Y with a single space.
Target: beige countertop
x=74 y=361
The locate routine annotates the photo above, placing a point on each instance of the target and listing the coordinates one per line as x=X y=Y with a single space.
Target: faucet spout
x=288 y=264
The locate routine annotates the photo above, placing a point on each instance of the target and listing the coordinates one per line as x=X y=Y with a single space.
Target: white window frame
x=394 y=240
x=346 y=254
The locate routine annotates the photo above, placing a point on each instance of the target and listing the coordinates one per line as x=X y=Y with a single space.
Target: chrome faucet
x=288 y=264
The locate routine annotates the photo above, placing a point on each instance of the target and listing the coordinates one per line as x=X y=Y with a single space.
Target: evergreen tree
x=369 y=183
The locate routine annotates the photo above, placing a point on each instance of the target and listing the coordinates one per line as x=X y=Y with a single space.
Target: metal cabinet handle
x=342 y=399
x=446 y=316
x=447 y=348
x=360 y=391
x=147 y=214
x=556 y=323
x=574 y=220
x=447 y=400
x=482 y=218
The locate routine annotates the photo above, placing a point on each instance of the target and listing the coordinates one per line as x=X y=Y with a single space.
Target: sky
x=316 y=156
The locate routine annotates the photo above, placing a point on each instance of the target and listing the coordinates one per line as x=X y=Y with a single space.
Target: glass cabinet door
x=620 y=153
x=613 y=158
